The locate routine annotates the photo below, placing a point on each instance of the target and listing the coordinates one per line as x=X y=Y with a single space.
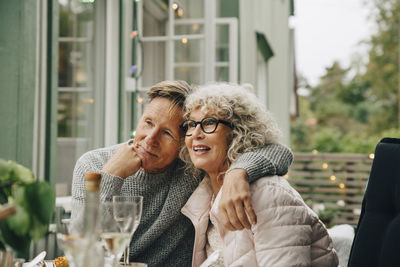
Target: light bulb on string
x=133 y=34
x=180 y=12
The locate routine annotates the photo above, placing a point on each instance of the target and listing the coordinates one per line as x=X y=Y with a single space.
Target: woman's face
x=208 y=151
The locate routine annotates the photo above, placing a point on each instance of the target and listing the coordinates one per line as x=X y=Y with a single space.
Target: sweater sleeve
x=273 y=159
x=94 y=161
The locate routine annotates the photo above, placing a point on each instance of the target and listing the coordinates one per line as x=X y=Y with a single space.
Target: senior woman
x=222 y=122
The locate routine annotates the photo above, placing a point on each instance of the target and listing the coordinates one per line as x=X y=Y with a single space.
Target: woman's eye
x=191 y=124
x=209 y=122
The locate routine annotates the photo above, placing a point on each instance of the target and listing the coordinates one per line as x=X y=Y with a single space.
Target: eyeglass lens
x=208 y=125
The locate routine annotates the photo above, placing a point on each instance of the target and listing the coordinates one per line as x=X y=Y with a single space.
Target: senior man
x=150 y=167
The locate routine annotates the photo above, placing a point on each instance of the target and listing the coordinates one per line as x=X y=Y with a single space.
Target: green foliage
x=327 y=216
x=34 y=202
x=327 y=140
x=382 y=69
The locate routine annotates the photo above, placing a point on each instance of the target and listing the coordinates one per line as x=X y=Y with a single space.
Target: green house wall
x=18 y=30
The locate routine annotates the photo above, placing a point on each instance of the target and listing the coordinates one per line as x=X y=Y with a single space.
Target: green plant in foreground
x=34 y=203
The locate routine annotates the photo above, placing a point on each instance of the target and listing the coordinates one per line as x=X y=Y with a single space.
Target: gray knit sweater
x=165 y=237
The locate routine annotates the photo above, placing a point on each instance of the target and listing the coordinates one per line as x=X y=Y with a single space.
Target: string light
x=184 y=40
x=315 y=151
x=175 y=6
x=325 y=166
x=140 y=100
x=180 y=12
x=371 y=156
x=332 y=178
x=341 y=186
x=286 y=176
x=88 y=100
x=133 y=34
x=195 y=27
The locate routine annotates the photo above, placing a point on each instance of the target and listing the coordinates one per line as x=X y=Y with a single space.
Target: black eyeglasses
x=208 y=125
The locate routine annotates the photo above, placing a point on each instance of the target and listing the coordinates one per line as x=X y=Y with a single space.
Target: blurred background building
x=75 y=72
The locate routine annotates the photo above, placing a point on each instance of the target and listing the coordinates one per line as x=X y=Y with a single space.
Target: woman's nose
x=197 y=132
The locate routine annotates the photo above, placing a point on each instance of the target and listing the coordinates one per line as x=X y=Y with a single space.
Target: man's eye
x=169 y=135
x=148 y=122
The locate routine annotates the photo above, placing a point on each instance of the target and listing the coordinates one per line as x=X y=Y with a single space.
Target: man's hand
x=236 y=201
x=124 y=162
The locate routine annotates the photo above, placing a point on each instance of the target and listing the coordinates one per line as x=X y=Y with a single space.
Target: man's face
x=158 y=135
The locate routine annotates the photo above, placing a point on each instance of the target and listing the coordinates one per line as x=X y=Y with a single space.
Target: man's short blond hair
x=175 y=91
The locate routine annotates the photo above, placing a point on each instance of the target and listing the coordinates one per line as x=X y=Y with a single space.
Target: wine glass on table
x=116 y=230
x=137 y=201
x=70 y=234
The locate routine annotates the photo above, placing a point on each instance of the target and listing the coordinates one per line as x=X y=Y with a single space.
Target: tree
x=382 y=70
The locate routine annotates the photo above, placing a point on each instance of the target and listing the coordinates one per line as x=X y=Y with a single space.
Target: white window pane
x=189 y=9
x=222 y=74
x=222 y=43
x=154 y=54
x=193 y=75
x=79 y=110
x=193 y=28
x=189 y=50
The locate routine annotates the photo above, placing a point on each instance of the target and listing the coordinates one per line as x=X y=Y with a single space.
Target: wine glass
x=70 y=236
x=116 y=226
x=137 y=201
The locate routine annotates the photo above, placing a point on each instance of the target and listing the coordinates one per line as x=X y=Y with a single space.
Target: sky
x=329 y=30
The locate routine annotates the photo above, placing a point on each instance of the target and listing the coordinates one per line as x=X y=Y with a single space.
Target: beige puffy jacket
x=287 y=233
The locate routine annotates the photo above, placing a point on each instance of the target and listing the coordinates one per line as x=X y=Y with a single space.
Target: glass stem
x=115 y=261
x=126 y=255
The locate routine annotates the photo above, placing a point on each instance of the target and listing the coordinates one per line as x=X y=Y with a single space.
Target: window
x=175 y=40
x=80 y=90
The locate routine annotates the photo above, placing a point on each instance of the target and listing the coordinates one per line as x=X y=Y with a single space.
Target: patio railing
x=334 y=182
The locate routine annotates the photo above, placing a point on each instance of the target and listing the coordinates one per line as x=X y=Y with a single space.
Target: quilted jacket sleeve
x=283 y=233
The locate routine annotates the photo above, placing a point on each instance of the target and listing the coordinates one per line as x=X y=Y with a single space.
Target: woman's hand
x=124 y=162
x=236 y=201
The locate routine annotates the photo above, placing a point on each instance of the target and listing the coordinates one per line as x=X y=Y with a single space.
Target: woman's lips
x=200 y=149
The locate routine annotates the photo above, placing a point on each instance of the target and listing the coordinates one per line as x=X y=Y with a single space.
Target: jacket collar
x=214 y=212
x=199 y=202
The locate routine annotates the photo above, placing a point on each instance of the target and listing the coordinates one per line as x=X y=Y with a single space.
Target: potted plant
x=33 y=205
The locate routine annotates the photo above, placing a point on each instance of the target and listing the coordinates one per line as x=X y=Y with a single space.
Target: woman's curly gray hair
x=254 y=127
